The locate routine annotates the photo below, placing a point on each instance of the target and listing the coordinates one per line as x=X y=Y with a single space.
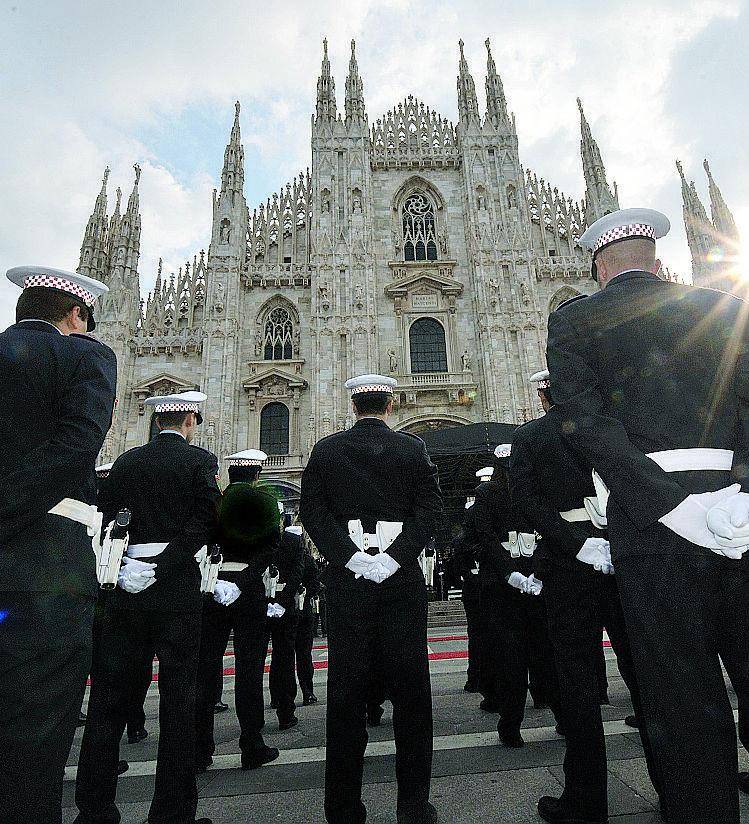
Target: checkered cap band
x=177 y=406
x=623 y=232
x=244 y=462
x=543 y=384
x=54 y=282
x=372 y=387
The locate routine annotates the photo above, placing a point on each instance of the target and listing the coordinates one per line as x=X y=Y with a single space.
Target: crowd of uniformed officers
x=624 y=509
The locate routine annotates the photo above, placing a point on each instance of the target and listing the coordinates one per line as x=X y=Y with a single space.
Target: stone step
x=446 y=614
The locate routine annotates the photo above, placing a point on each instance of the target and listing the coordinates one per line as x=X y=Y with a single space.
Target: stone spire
x=94 y=252
x=468 y=107
x=116 y=219
x=723 y=220
x=599 y=199
x=232 y=174
x=697 y=226
x=354 y=90
x=326 y=107
x=496 y=103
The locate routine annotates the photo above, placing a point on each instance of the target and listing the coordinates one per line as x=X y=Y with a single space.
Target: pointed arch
x=417 y=183
x=560 y=296
x=278 y=329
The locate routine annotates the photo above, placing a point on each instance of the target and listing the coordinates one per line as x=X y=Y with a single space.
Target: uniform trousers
x=45 y=656
x=684 y=612
x=305 y=668
x=362 y=614
x=250 y=646
x=475 y=628
x=579 y=602
x=281 y=632
x=491 y=647
x=521 y=636
x=127 y=637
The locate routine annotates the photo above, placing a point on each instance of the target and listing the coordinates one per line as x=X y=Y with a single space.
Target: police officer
x=305 y=669
x=370 y=499
x=652 y=382
x=55 y=410
x=283 y=618
x=554 y=490
x=249 y=535
x=516 y=639
x=170 y=488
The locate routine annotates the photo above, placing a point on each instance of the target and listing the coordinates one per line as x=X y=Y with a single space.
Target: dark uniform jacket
x=371 y=473
x=289 y=558
x=55 y=410
x=493 y=519
x=546 y=478
x=646 y=365
x=171 y=490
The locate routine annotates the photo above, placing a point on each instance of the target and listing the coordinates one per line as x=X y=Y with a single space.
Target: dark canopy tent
x=458 y=453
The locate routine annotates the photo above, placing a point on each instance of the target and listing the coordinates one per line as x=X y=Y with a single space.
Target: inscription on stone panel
x=422 y=301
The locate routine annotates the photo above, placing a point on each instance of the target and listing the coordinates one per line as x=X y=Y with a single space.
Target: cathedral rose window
x=419 y=228
x=278 y=336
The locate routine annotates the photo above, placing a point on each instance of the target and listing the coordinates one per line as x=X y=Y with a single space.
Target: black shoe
x=288 y=723
x=137 y=735
x=469 y=687
x=424 y=814
x=744 y=782
x=374 y=716
x=81 y=719
x=122 y=767
x=219 y=706
x=632 y=721
x=256 y=758
x=490 y=705
x=511 y=738
x=559 y=730
x=309 y=699
x=552 y=810
x=202 y=765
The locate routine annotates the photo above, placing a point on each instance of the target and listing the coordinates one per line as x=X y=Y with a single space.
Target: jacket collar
x=371 y=422
x=38 y=325
x=632 y=274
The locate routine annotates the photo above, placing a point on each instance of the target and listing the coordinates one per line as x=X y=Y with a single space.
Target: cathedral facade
x=414 y=247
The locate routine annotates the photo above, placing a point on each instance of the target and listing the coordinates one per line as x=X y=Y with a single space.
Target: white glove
x=385 y=566
x=275 y=611
x=517 y=580
x=135 y=575
x=226 y=593
x=532 y=585
x=359 y=563
x=597 y=553
x=729 y=523
x=689 y=520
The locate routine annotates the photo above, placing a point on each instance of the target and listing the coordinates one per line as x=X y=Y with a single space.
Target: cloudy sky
x=84 y=85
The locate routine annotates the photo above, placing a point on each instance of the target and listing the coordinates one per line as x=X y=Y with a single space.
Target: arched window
x=274 y=429
x=277 y=339
x=428 y=352
x=419 y=228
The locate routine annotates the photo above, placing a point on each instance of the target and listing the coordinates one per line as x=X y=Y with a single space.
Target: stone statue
x=393 y=358
x=359 y=293
x=325 y=203
x=258 y=344
x=297 y=342
x=442 y=239
x=465 y=360
x=396 y=242
x=357 y=205
x=225 y=232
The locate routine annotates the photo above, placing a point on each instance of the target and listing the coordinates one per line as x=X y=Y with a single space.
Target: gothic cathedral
x=414 y=247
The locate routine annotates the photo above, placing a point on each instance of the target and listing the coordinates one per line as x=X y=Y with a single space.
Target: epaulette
x=567 y=302
x=203 y=449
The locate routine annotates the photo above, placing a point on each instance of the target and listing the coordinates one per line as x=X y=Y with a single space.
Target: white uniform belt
x=233 y=566
x=145 y=550
x=79 y=512
x=575 y=515
x=281 y=587
x=370 y=540
x=690 y=460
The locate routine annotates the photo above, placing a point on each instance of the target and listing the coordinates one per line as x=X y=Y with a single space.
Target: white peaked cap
x=541 y=378
x=247 y=457
x=503 y=450
x=80 y=286
x=182 y=402
x=470 y=502
x=104 y=468
x=371 y=383
x=623 y=225
x=294 y=530
x=486 y=472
